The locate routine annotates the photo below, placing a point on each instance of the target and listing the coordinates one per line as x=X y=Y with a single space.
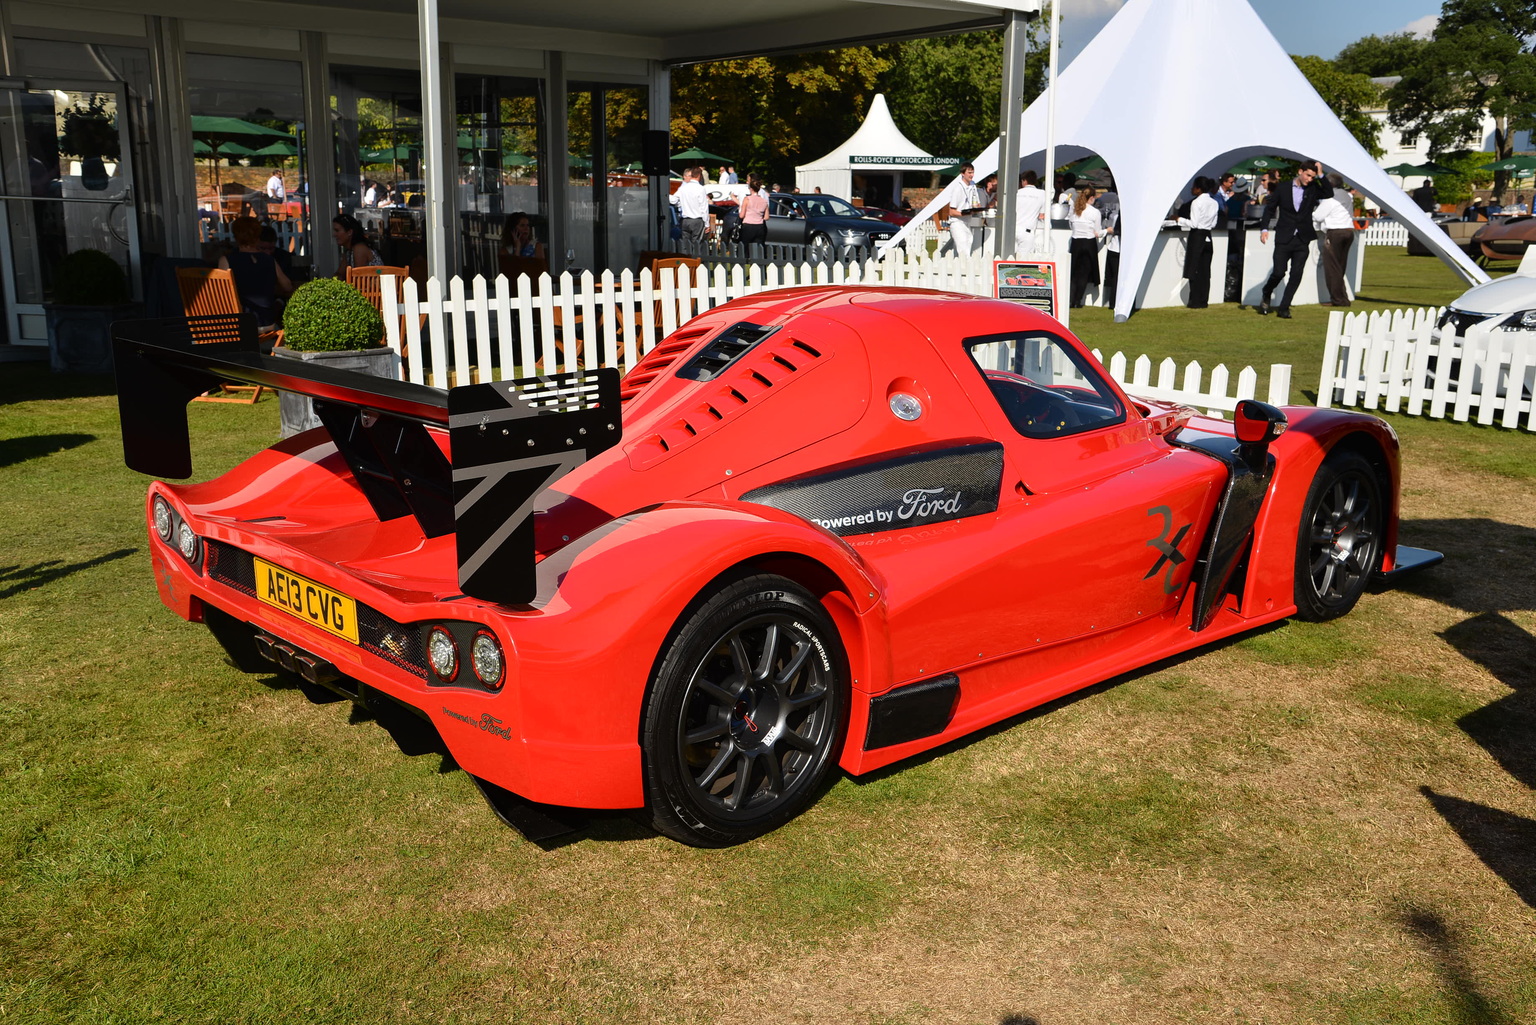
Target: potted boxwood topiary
x=332 y=322
x=90 y=291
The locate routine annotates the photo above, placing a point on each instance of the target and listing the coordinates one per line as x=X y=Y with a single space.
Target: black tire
x=745 y=715
x=821 y=249
x=1338 y=548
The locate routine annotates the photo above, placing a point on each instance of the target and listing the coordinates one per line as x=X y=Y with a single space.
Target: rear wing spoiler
x=508 y=440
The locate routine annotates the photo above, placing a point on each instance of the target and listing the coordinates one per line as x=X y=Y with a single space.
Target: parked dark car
x=832 y=226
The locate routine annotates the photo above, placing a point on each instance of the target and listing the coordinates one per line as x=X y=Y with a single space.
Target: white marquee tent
x=877 y=149
x=1147 y=95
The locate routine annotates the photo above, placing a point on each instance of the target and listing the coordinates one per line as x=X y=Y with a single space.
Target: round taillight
x=443 y=654
x=485 y=655
x=164 y=521
x=188 y=542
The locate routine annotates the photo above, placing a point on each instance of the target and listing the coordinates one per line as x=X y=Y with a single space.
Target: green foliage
x=1380 y=56
x=768 y=114
x=326 y=315
x=1350 y=96
x=89 y=277
x=90 y=129
x=1457 y=188
x=1478 y=61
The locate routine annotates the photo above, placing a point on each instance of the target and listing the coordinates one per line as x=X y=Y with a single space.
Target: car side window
x=1046 y=389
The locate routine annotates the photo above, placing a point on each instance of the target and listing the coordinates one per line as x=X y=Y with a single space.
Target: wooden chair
x=370 y=282
x=208 y=291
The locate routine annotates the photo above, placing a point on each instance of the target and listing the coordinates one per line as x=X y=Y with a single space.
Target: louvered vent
x=729 y=346
x=750 y=376
x=656 y=362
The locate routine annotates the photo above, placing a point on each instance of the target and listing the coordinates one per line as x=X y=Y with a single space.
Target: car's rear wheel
x=745 y=715
x=1339 y=545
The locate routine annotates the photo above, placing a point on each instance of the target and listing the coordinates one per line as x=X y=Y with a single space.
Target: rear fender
x=606 y=607
x=1299 y=452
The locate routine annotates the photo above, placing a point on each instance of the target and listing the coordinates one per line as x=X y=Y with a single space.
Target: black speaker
x=655 y=147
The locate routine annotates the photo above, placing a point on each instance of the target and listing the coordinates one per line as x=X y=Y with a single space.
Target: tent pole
x=1043 y=243
x=434 y=172
x=1008 y=134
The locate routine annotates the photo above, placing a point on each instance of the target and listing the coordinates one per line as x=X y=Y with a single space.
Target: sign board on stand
x=1035 y=283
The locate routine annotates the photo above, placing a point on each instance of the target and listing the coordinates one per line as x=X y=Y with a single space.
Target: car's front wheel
x=745 y=715
x=1339 y=546
x=821 y=248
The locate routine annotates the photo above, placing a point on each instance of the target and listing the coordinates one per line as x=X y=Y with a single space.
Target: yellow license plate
x=302 y=597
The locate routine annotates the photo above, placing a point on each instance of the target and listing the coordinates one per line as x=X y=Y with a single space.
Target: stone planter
x=297 y=412
x=80 y=337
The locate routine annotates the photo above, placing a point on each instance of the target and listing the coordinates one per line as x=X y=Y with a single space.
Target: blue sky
x=1318 y=27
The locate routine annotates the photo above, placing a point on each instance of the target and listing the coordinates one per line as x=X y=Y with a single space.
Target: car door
x=786 y=221
x=1098 y=526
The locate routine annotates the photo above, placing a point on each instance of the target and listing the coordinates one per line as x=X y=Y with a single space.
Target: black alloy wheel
x=745 y=715
x=1339 y=545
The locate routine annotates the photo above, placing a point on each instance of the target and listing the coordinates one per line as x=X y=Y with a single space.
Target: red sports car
x=813 y=530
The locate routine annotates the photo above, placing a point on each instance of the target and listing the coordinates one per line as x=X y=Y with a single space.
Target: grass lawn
x=1314 y=824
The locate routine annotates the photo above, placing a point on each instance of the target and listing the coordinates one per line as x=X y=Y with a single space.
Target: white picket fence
x=492 y=330
x=1384 y=231
x=1389 y=360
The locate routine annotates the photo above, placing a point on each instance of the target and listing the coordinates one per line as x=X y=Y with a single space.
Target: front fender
x=1312 y=435
x=606 y=605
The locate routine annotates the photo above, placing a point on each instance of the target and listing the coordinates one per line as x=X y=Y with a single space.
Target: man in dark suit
x=1291 y=204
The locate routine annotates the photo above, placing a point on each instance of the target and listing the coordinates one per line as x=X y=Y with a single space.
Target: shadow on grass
x=1490 y=570
x=1502 y=840
x=1442 y=944
x=15 y=579
x=19 y=450
x=1065 y=701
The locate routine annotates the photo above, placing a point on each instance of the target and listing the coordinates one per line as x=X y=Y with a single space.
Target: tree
x=945 y=92
x=1380 y=56
x=1349 y=96
x=1479 y=62
x=770 y=113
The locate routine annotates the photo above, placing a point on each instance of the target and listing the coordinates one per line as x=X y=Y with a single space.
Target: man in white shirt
x=275 y=190
x=1030 y=204
x=692 y=208
x=968 y=203
x=1336 y=222
x=1197 y=253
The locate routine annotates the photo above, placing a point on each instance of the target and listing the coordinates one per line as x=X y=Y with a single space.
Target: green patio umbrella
x=1520 y=163
x=1402 y=170
x=1253 y=164
x=220 y=133
x=698 y=154
x=1430 y=167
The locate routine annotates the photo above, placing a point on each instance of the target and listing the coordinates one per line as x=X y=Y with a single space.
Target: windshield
x=1046 y=389
x=829 y=206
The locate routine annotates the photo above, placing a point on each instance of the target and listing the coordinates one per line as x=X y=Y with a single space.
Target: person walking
x=1289 y=208
x=1334 y=219
x=1087 y=228
x=1197 y=251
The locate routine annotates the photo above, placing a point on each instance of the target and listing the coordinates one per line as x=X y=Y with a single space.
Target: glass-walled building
x=146 y=135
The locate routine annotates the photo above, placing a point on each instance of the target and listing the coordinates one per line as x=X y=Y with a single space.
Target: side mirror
x=1257 y=424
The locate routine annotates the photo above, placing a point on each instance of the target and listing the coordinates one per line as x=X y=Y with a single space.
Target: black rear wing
x=509 y=439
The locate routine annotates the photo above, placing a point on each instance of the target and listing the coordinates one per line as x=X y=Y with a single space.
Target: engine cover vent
x=729 y=346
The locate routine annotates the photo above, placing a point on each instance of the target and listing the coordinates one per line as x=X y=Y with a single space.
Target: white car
x=1506 y=305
